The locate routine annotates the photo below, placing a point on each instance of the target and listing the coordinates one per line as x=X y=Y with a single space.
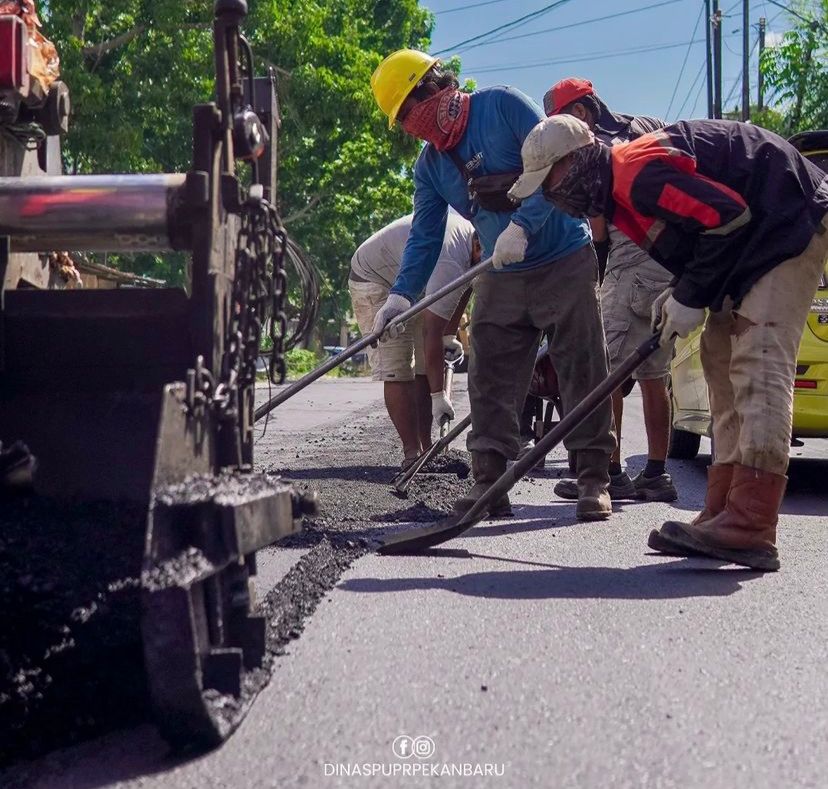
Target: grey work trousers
x=511 y=312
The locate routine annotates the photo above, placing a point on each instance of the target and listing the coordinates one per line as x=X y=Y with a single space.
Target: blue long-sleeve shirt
x=500 y=118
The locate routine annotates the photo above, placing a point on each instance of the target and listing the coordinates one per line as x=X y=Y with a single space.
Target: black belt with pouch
x=490 y=192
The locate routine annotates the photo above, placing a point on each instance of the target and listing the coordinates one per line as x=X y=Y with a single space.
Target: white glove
x=677 y=319
x=394 y=305
x=452 y=349
x=510 y=246
x=658 y=304
x=441 y=408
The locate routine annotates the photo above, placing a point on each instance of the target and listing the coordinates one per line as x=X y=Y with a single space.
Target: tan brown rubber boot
x=719 y=476
x=593 y=485
x=744 y=532
x=486 y=468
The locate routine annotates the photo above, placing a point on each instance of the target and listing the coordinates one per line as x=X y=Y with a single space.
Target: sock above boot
x=654 y=468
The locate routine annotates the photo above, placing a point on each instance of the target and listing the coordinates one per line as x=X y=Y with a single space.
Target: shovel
x=419 y=539
x=369 y=339
x=448 y=381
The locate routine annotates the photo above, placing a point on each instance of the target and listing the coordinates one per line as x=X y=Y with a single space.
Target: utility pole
x=745 y=60
x=708 y=54
x=760 y=78
x=717 y=60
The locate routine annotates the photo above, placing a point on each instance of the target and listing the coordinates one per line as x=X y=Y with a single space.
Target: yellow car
x=691 y=406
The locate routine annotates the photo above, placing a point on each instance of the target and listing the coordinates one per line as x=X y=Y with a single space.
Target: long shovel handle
x=369 y=339
x=448 y=381
x=403 y=481
x=422 y=538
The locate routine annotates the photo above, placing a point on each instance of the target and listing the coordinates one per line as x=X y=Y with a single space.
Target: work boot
x=744 y=532
x=487 y=467
x=657 y=488
x=620 y=487
x=719 y=476
x=593 y=483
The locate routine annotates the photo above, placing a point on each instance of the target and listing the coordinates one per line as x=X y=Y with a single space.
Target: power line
x=738 y=78
x=795 y=13
x=602 y=55
x=508 y=25
x=502 y=40
x=690 y=90
x=464 y=7
x=696 y=102
x=792 y=12
x=684 y=62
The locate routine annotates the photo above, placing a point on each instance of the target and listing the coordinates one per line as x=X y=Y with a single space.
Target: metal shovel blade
x=418 y=540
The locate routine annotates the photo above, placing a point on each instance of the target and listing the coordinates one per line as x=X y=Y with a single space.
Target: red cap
x=565 y=92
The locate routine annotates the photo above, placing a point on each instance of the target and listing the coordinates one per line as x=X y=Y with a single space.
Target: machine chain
x=258 y=298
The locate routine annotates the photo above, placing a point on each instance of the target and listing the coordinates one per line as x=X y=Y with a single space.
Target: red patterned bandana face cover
x=441 y=119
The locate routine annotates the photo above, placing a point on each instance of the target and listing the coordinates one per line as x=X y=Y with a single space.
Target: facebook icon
x=403 y=746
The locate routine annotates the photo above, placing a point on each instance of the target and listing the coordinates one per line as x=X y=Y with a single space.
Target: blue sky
x=641 y=82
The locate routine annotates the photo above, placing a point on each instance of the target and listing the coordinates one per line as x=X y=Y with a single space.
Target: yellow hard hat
x=396 y=77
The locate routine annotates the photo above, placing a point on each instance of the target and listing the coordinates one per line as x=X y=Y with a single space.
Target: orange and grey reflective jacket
x=717 y=203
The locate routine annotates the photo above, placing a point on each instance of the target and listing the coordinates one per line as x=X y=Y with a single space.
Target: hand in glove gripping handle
x=658 y=305
x=452 y=349
x=441 y=408
x=672 y=318
x=394 y=305
x=510 y=246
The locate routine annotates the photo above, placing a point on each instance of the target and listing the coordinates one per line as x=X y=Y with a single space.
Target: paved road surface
x=557 y=653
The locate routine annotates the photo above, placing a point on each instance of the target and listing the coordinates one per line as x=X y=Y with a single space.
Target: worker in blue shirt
x=545 y=269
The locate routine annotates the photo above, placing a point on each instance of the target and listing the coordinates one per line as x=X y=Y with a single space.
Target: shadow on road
x=657 y=581
x=805 y=494
x=123 y=755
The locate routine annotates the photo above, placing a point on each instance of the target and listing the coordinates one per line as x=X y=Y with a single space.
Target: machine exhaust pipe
x=94 y=213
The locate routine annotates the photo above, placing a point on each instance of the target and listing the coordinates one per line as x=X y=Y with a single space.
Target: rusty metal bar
x=129 y=213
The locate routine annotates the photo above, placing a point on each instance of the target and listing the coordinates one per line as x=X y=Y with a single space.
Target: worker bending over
x=739 y=217
x=631 y=283
x=545 y=267
x=411 y=364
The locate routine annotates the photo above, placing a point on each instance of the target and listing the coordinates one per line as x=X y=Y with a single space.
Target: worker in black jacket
x=739 y=217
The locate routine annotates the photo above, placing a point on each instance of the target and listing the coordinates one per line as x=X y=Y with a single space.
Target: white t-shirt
x=378 y=258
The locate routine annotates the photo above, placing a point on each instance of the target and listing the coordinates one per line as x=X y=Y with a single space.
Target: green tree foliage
x=796 y=72
x=342 y=173
x=136 y=67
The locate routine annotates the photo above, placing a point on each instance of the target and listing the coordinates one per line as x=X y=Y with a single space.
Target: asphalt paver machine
x=145 y=397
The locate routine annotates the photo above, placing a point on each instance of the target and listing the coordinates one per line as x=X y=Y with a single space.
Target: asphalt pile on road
x=357 y=499
x=453 y=461
x=71 y=663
